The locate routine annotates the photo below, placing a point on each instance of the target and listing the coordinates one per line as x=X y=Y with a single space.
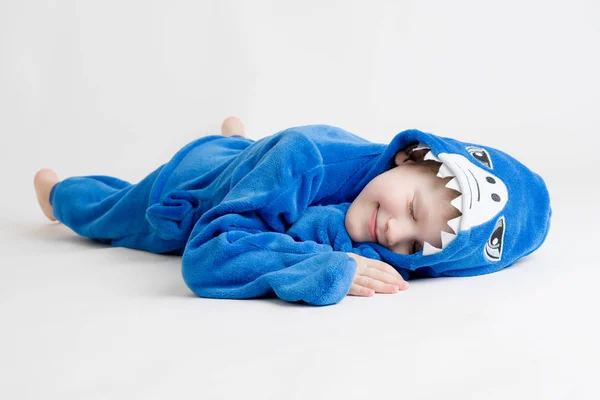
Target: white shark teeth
x=453 y=184
x=444 y=171
x=457 y=203
x=429 y=249
x=447 y=238
x=455 y=224
x=431 y=156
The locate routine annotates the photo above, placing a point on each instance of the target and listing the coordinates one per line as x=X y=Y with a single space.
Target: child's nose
x=397 y=233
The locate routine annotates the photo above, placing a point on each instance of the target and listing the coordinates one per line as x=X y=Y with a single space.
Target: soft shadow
x=176 y=291
x=58 y=233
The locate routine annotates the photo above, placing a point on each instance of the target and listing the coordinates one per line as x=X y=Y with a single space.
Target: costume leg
x=110 y=210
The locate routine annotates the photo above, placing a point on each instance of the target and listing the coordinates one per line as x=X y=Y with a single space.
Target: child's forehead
x=415 y=176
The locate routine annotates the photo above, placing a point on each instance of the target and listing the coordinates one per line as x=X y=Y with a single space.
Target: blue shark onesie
x=266 y=217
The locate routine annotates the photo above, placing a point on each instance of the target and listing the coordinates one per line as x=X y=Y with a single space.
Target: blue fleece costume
x=266 y=217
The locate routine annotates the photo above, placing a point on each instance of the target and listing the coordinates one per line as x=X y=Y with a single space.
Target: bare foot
x=43 y=181
x=232 y=126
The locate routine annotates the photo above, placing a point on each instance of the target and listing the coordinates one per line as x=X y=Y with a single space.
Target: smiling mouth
x=373 y=225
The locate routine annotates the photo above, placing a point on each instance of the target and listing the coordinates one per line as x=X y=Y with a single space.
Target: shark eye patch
x=481 y=155
x=493 y=247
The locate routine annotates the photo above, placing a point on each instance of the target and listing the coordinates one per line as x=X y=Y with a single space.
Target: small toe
x=232 y=126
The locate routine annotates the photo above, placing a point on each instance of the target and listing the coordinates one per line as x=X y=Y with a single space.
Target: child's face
x=387 y=200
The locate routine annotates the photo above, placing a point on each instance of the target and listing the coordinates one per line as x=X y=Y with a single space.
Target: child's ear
x=401 y=157
x=409 y=155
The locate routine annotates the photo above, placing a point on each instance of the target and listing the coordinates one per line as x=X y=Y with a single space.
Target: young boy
x=315 y=213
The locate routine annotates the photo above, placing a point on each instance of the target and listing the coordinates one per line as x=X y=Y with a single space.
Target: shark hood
x=268 y=216
x=505 y=208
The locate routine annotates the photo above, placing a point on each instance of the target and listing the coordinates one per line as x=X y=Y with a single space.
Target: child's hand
x=373 y=276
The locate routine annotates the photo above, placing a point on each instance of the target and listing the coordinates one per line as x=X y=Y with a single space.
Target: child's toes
x=43 y=181
x=45 y=175
x=232 y=126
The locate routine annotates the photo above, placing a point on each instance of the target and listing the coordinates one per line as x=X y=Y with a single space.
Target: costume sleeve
x=240 y=248
x=243 y=263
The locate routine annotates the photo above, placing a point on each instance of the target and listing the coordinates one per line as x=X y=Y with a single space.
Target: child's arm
x=239 y=264
x=247 y=261
x=240 y=248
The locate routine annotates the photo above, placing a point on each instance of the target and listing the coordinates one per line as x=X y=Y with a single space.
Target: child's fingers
x=383 y=266
x=386 y=273
x=376 y=285
x=357 y=290
x=382 y=276
x=375 y=275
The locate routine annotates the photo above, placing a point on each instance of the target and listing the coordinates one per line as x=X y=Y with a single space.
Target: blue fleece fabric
x=266 y=217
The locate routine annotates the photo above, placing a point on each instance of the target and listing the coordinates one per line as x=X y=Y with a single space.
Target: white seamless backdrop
x=116 y=87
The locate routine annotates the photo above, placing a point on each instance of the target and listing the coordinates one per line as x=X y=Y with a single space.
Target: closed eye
x=411 y=210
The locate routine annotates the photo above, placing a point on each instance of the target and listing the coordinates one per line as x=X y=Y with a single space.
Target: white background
x=116 y=87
